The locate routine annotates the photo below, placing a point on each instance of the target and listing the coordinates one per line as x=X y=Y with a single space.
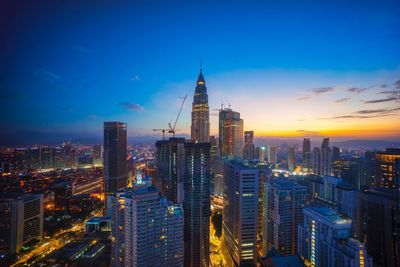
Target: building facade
x=21 y=220
x=325 y=240
x=170 y=168
x=248 y=149
x=115 y=154
x=197 y=204
x=240 y=212
x=230 y=133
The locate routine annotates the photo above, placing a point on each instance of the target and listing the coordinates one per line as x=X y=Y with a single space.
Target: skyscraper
x=285 y=201
x=200 y=130
x=385 y=168
x=326 y=157
x=377 y=218
x=21 y=220
x=170 y=163
x=291 y=159
x=115 y=169
x=261 y=154
x=248 y=149
x=239 y=224
x=149 y=232
x=316 y=161
x=325 y=240
x=196 y=204
x=272 y=154
x=230 y=133
x=306 y=155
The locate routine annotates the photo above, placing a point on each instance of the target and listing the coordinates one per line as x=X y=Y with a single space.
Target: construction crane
x=172 y=129
x=161 y=130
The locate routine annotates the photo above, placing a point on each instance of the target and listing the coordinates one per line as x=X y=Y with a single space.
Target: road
x=216 y=257
x=55 y=242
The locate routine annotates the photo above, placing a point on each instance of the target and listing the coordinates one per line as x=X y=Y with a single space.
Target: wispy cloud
x=48 y=75
x=135 y=78
x=322 y=90
x=303 y=98
x=369 y=113
x=389 y=99
x=308 y=133
x=342 y=100
x=81 y=49
x=132 y=106
x=397 y=84
x=356 y=90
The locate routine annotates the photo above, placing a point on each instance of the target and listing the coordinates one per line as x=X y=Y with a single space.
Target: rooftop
x=328 y=214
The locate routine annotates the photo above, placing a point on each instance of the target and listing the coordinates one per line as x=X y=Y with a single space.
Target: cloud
x=135 y=78
x=384 y=85
x=369 y=113
x=132 y=106
x=342 y=100
x=48 y=75
x=389 y=99
x=81 y=49
x=322 y=90
x=397 y=84
x=356 y=90
x=308 y=133
x=303 y=98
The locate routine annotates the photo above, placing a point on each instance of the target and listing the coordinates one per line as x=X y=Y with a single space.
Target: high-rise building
x=291 y=159
x=46 y=156
x=285 y=201
x=200 y=129
x=214 y=164
x=239 y=224
x=115 y=154
x=248 y=149
x=34 y=158
x=230 y=133
x=272 y=154
x=21 y=159
x=170 y=167
x=97 y=154
x=316 y=161
x=325 y=240
x=261 y=154
x=149 y=232
x=21 y=220
x=58 y=157
x=196 y=204
x=377 y=224
x=326 y=157
x=306 y=156
x=370 y=167
x=385 y=168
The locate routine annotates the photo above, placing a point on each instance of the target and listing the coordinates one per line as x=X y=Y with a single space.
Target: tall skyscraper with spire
x=200 y=130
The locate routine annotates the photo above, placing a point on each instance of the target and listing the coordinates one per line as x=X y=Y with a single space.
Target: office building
x=196 y=204
x=291 y=159
x=21 y=220
x=261 y=154
x=115 y=154
x=306 y=156
x=147 y=231
x=230 y=133
x=34 y=158
x=21 y=159
x=272 y=155
x=240 y=211
x=46 y=157
x=377 y=224
x=200 y=129
x=325 y=240
x=326 y=157
x=283 y=211
x=385 y=168
x=248 y=149
x=170 y=168
x=316 y=161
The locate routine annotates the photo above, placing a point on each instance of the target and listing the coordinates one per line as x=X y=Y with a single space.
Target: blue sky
x=67 y=67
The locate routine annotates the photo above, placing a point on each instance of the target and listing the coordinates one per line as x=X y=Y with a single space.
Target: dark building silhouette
x=248 y=149
x=115 y=169
x=170 y=167
x=197 y=204
x=306 y=155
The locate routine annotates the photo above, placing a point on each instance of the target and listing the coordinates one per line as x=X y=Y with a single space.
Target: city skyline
x=311 y=76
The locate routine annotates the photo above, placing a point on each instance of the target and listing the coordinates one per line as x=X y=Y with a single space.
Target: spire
x=200 y=79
